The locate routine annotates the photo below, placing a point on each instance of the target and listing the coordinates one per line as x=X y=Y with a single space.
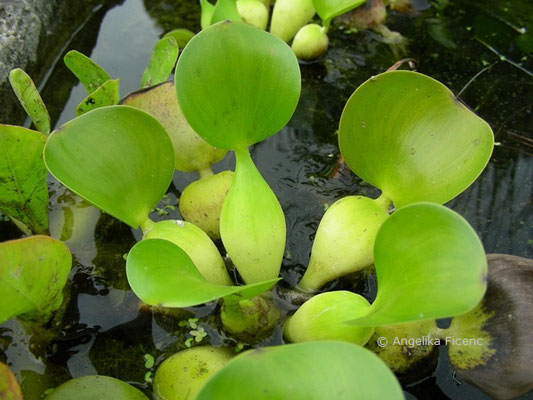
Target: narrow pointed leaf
x=90 y=74
x=92 y=387
x=106 y=95
x=237 y=85
x=161 y=63
x=304 y=371
x=225 y=10
x=118 y=158
x=30 y=99
x=162 y=274
x=207 y=13
x=329 y=9
x=23 y=190
x=429 y=264
x=33 y=272
x=408 y=135
x=192 y=153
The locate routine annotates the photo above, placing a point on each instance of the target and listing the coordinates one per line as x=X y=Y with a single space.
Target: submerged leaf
x=118 y=158
x=252 y=224
x=237 y=85
x=92 y=387
x=191 y=152
x=162 y=274
x=106 y=95
x=498 y=361
x=90 y=74
x=23 y=190
x=161 y=63
x=407 y=134
x=30 y=99
x=429 y=264
x=304 y=371
x=33 y=272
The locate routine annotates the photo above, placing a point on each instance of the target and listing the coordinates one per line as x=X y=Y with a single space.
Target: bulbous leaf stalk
x=201 y=201
x=253 y=12
x=252 y=224
x=344 y=240
x=310 y=42
x=324 y=317
x=289 y=16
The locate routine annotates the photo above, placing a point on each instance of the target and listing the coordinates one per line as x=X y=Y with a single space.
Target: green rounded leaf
x=118 y=158
x=90 y=74
x=407 y=134
x=33 y=272
x=304 y=371
x=93 y=387
x=429 y=264
x=106 y=95
x=161 y=63
x=323 y=317
x=252 y=224
x=162 y=274
x=23 y=189
x=225 y=10
x=30 y=99
x=237 y=85
x=329 y=9
x=191 y=152
x=198 y=246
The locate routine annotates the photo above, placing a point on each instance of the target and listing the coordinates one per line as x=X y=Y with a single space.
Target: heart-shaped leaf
x=118 y=158
x=94 y=387
x=191 y=152
x=30 y=99
x=309 y=371
x=90 y=74
x=252 y=224
x=106 y=95
x=237 y=85
x=162 y=274
x=161 y=63
x=23 y=190
x=407 y=134
x=329 y=9
x=33 y=272
x=429 y=264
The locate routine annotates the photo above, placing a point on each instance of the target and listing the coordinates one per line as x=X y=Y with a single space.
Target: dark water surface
x=105 y=330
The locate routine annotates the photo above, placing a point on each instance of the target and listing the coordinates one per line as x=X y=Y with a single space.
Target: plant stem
x=204 y=173
x=147 y=225
x=384 y=202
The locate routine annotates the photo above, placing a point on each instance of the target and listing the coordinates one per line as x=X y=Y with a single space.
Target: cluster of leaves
x=401 y=131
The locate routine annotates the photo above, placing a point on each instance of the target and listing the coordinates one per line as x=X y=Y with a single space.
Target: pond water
x=470 y=46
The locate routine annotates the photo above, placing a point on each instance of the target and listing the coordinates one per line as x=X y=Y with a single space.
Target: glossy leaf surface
x=33 y=272
x=429 y=264
x=106 y=95
x=191 y=152
x=118 y=158
x=304 y=371
x=30 y=99
x=162 y=274
x=329 y=9
x=92 y=387
x=252 y=224
x=23 y=189
x=90 y=74
x=237 y=85
x=408 y=135
x=161 y=63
